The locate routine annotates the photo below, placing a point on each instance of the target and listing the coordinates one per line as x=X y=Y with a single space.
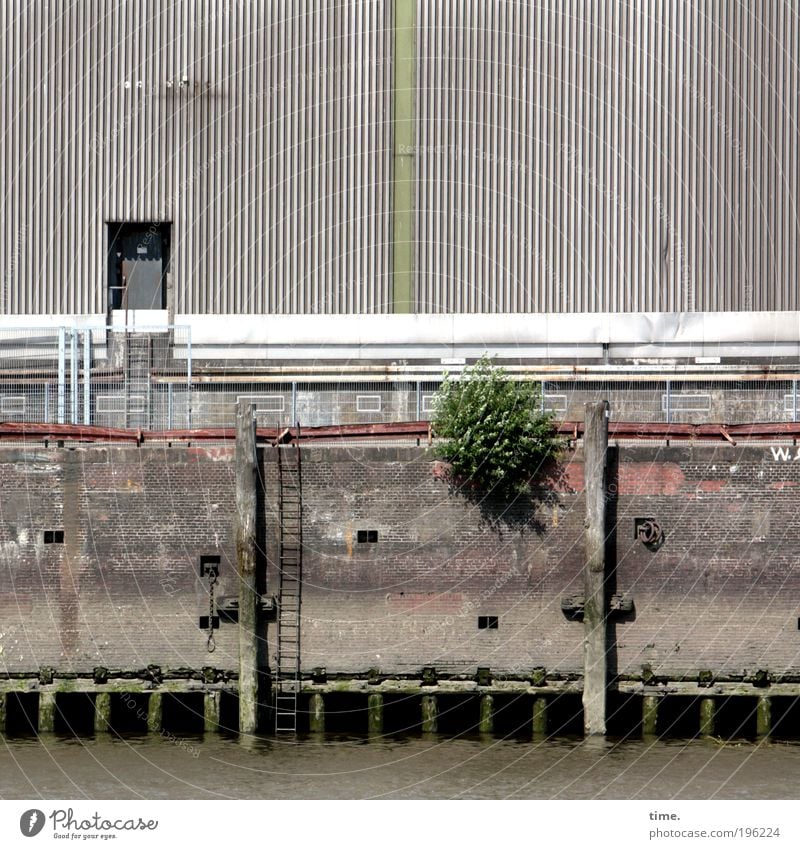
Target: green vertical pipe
x=649 y=716
x=540 y=717
x=154 y=713
x=486 y=725
x=211 y=711
x=102 y=712
x=316 y=712
x=47 y=712
x=430 y=714
x=404 y=154
x=707 y=711
x=764 y=716
x=375 y=713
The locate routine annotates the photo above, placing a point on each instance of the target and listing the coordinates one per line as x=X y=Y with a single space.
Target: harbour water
x=411 y=767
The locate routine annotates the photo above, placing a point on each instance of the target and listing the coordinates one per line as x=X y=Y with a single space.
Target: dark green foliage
x=492 y=430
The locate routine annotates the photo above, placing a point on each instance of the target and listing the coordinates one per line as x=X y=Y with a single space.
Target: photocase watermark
x=716 y=117
x=305 y=77
x=131 y=703
x=673 y=245
x=589 y=176
x=13 y=265
x=66 y=825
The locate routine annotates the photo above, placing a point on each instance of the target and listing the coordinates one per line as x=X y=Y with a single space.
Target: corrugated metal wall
x=582 y=155
x=572 y=156
x=272 y=160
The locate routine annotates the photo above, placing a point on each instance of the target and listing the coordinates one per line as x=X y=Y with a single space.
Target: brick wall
x=123 y=590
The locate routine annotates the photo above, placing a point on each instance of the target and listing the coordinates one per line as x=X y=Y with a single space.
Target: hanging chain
x=212 y=582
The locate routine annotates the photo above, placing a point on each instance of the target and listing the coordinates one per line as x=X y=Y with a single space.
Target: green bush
x=492 y=430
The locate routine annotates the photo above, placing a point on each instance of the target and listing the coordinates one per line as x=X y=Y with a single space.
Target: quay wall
x=123 y=589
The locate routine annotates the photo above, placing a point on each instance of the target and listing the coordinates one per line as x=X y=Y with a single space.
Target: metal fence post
x=294 y=404
x=87 y=377
x=669 y=402
x=169 y=406
x=543 y=402
x=189 y=377
x=62 y=373
x=794 y=400
x=419 y=400
x=74 y=371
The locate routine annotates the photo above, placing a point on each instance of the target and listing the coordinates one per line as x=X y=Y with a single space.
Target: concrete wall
x=123 y=589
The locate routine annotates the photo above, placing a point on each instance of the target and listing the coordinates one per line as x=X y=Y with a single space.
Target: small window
x=367 y=536
x=490 y=622
x=51 y=537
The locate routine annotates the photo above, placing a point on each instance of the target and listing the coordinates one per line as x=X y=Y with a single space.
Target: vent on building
x=51 y=537
x=264 y=404
x=684 y=402
x=367 y=536
x=368 y=403
x=429 y=403
x=12 y=405
x=490 y=622
x=555 y=404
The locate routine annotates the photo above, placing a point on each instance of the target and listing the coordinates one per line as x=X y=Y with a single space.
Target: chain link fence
x=142 y=378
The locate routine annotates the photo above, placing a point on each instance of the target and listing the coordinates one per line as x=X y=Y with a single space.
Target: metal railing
x=142 y=377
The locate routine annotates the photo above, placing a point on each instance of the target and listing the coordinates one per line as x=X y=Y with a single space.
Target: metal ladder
x=287 y=674
x=138 y=363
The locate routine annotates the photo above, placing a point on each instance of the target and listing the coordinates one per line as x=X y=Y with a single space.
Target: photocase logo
x=31 y=822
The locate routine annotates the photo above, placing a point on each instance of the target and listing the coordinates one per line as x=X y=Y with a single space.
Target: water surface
x=352 y=767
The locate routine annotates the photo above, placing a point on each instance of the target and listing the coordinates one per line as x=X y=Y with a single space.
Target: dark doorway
x=138 y=261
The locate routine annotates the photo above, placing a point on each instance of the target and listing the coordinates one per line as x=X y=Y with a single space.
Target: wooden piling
x=154 y=713
x=486 y=724
x=211 y=711
x=649 y=716
x=764 y=717
x=430 y=714
x=540 y=717
x=245 y=535
x=708 y=709
x=316 y=713
x=102 y=712
x=595 y=449
x=375 y=713
x=47 y=712
x=3 y=703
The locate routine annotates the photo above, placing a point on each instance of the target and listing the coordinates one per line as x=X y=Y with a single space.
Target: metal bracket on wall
x=228 y=608
x=618 y=606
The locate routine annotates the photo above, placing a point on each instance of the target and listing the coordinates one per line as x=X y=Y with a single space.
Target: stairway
x=287 y=673
x=138 y=365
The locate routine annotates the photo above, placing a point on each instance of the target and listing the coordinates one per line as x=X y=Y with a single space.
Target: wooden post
x=595 y=449
x=707 y=711
x=540 y=717
x=430 y=714
x=3 y=702
x=245 y=536
x=211 y=711
x=154 y=713
x=649 y=716
x=764 y=717
x=316 y=713
x=102 y=712
x=486 y=724
x=375 y=713
x=47 y=712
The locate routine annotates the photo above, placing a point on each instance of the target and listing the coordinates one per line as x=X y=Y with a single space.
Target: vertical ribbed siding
x=607 y=155
x=273 y=162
